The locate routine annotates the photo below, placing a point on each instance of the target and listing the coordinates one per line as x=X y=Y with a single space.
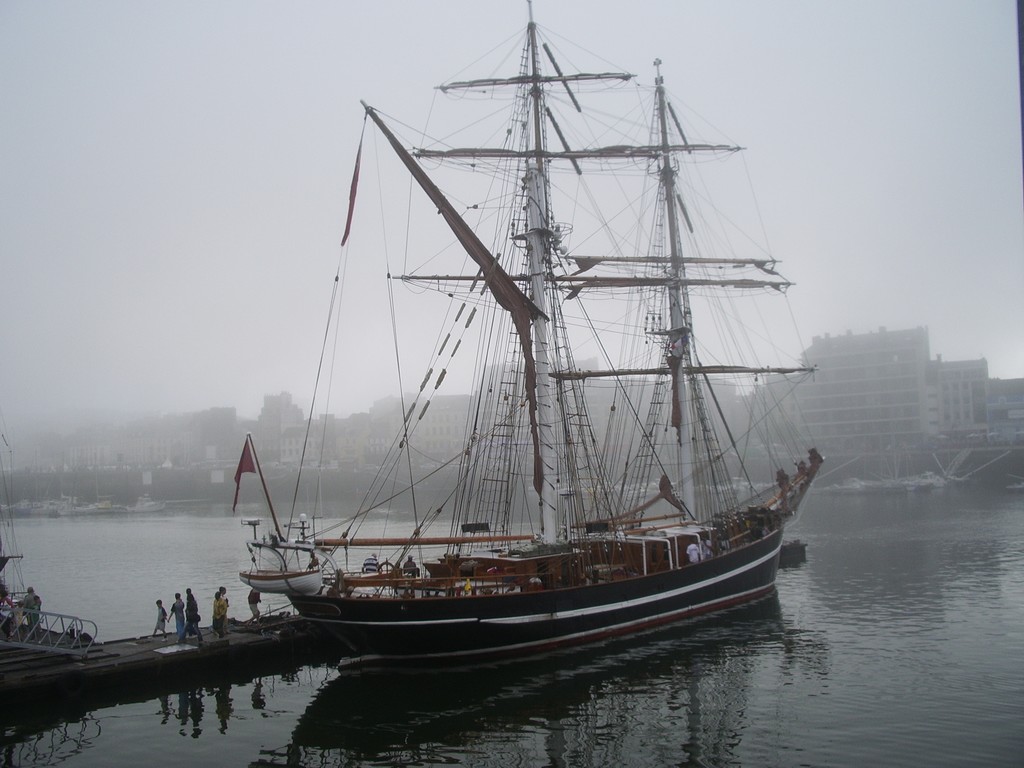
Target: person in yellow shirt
x=220 y=614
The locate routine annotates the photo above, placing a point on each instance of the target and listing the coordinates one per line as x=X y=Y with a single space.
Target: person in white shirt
x=693 y=553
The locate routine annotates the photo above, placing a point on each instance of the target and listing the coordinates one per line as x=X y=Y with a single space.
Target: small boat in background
x=1017 y=486
x=924 y=483
x=146 y=504
x=855 y=485
x=103 y=505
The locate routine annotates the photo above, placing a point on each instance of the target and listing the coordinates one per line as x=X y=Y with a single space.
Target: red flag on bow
x=245 y=464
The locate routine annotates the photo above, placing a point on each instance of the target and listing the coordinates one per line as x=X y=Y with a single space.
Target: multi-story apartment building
x=962 y=388
x=1005 y=411
x=871 y=391
x=278 y=415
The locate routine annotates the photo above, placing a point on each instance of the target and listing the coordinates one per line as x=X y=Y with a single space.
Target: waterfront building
x=962 y=399
x=278 y=414
x=1005 y=411
x=871 y=391
x=880 y=392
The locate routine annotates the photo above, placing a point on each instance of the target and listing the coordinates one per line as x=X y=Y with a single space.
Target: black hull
x=460 y=628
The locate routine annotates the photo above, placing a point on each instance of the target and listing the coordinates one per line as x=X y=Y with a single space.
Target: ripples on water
x=899 y=642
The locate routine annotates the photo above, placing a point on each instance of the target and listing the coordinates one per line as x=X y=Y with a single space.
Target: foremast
x=562 y=450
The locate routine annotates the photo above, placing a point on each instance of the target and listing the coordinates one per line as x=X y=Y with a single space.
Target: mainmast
x=680 y=351
x=537 y=237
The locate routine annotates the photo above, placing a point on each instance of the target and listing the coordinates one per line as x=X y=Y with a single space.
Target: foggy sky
x=174 y=176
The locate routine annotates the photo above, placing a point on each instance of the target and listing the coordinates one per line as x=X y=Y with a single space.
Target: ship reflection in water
x=671 y=697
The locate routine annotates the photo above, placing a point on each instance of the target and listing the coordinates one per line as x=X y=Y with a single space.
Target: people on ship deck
x=6 y=614
x=693 y=552
x=409 y=567
x=370 y=564
x=782 y=479
x=815 y=458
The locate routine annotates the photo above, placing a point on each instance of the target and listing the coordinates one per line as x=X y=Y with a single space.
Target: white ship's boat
x=283 y=582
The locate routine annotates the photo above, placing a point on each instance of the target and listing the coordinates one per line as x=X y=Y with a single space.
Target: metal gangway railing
x=51 y=632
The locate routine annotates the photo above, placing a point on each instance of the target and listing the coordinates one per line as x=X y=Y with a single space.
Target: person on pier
x=161 y=619
x=192 y=617
x=178 y=612
x=254 y=604
x=31 y=605
x=220 y=614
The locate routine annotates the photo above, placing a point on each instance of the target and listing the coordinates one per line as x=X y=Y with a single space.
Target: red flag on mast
x=245 y=464
x=352 y=193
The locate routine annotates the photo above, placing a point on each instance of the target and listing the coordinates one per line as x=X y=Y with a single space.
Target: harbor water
x=899 y=642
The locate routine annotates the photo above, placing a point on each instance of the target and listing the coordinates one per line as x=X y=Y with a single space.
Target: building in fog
x=880 y=391
x=441 y=428
x=276 y=418
x=217 y=435
x=436 y=429
x=962 y=388
x=141 y=444
x=1005 y=411
x=315 y=445
x=870 y=392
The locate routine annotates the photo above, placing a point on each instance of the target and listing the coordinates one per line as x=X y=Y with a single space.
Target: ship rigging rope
x=401 y=387
x=8 y=542
x=382 y=502
x=409 y=424
x=336 y=293
x=621 y=388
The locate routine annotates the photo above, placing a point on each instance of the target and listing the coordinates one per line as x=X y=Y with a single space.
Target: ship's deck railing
x=51 y=632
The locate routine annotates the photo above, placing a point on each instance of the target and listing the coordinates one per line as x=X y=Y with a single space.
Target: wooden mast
x=266 y=491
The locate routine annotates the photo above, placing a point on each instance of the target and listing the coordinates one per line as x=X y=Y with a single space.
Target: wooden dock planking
x=120 y=669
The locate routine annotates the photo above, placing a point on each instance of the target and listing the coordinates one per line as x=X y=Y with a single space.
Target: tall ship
x=616 y=470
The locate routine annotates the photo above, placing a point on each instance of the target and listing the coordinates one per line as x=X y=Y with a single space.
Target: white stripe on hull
x=577 y=638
